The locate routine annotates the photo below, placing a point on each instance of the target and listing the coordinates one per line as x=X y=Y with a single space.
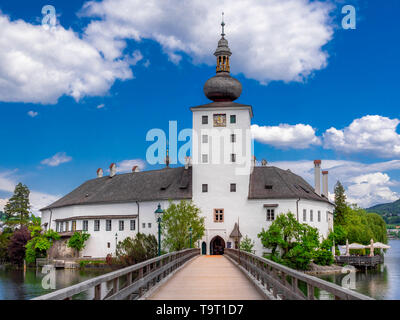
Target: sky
x=83 y=93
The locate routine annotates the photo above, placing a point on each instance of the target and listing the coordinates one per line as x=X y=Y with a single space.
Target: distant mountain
x=389 y=211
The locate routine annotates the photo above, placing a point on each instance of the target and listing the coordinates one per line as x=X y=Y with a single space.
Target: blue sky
x=88 y=99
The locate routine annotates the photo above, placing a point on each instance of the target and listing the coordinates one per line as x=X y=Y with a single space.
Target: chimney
x=325 y=183
x=254 y=161
x=317 y=176
x=187 y=162
x=113 y=169
x=263 y=162
x=135 y=169
x=99 y=172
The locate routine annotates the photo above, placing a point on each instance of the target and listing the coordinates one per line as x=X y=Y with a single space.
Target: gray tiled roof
x=176 y=183
x=163 y=184
x=274 y=183
x=224 y=104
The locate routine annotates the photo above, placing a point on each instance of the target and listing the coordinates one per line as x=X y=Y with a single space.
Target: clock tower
x=222 y=153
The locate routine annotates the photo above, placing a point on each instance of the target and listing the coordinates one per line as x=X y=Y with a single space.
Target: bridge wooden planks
x=208 y=278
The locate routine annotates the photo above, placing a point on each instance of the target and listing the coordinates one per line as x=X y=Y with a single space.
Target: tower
x=222 y=151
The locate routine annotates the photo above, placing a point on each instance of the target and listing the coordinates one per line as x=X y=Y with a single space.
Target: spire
x=223 y=51
x=223 y=25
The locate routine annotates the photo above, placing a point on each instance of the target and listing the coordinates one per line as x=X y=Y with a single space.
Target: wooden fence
x=285 y=283
x=127 y=283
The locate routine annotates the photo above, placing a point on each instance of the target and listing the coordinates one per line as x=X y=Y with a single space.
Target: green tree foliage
x=177 y=220
x=40 y=241
x=16 y=247
x=291 y=242
x=134 y=250
x=17 y=208
x=247 y=245
x=340 y=203
x=77 y=241
x=5 y=237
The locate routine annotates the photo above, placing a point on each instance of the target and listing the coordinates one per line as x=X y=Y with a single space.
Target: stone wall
x=61 y=250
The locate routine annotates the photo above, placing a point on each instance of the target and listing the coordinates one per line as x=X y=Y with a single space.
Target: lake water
x=382 y=284
x=20 y=285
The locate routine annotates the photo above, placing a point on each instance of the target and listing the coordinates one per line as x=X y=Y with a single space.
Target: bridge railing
x=283 y=282
x=129 y=282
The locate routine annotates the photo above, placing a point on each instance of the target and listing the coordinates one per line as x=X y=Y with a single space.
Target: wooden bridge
x=185 y=275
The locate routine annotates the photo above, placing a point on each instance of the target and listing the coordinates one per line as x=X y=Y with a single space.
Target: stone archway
x=217 y=245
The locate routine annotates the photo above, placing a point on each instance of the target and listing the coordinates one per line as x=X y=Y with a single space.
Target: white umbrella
x=380 y=245
x=355 y=246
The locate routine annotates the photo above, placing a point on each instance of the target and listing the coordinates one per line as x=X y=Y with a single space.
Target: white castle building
x=236 y=196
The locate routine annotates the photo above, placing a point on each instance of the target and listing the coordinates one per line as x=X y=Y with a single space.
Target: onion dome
x=222 y=87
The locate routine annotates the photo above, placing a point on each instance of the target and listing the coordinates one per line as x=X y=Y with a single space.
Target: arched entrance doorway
x=217 y=245
x=203 y=248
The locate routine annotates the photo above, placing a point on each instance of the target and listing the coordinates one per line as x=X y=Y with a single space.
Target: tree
x=17 y=208
x=296 y=242
x=177 y=220
x=134 y=250
x=16 y=247
x=40 y=241
x=77 y=241
x=340 y=203
x=247 y=245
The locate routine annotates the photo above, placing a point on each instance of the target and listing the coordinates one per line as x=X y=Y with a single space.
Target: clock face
x=219 y=120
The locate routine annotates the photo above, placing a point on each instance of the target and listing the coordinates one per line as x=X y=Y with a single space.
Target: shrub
x=323 y=257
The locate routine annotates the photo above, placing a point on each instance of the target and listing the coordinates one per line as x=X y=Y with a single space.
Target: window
x=204 y=187
x=233 y=187
x=327 y=216
x=204 y=138
x=96 y=225
x=149 y=225
x=319 y=216
x=218 y=215
x=143 y=225
x=133 y=225
x=57 y=226
x=233 y=118
x=73 y=226
x=204 y=119
x=311 y=215
x=304 y=215
x=233 y=157
x=108 y=225
x=204 y=158
x=66 y=226
x=121 y=225
x=270 y=214
x=108 y=245
x=85 y=225
x=233 y=137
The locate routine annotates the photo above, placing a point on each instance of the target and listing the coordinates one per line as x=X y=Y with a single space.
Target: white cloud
x=3 y=202
x=270 y=40
x=369 y=134
x=100 y=106
x=57 y=159
x=32 y=113
x=297 y=136
x=366 y=184
x=38 y=200
x=369 y=189
x=40 y=66
x=127 y=165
